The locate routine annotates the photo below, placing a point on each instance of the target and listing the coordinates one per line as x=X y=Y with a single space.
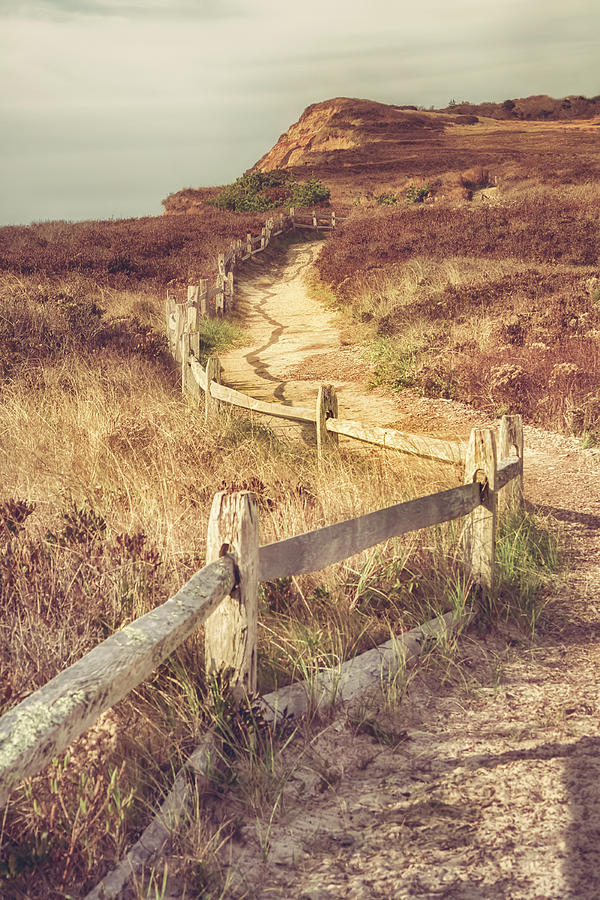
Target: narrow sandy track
x=489 y=783
x=294 y=344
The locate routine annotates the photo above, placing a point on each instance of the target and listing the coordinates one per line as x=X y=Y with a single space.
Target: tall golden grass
x=107 y=475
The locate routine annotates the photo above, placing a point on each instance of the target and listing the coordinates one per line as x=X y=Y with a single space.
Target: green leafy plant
x=388 y=199
x=416 y=194
x=261 y=191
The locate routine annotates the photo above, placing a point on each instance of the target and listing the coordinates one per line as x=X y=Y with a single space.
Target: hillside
x=363 y=149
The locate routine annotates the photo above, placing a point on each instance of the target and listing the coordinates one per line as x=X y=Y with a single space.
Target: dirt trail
x=487 y=782
x=294 y=344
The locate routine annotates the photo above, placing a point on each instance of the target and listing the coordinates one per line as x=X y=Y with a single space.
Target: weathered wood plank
x=186 y=387
x=508 y=469
x=236 y=398
x=198 y=373
x=44 y=724
x=327 y=408
x=510 y=443
x=315 y=550
x=480 y=529
x=230 y=632
x=213 y=377
x=434 y=448
x=351 y=679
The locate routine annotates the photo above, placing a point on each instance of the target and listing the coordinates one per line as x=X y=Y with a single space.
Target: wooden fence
x=217 y=300
x=224 y=594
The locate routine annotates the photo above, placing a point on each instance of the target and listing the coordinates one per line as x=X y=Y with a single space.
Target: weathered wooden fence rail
x=224 y=596
x=198 y=382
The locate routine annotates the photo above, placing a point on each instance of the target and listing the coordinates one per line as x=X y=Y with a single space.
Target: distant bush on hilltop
x=261 y=191
x=539 y=107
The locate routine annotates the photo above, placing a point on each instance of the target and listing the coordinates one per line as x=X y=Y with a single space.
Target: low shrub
x=260 y=191
x=388 y=199
x=415 y=194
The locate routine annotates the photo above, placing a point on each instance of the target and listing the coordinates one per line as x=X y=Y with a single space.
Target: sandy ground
x=483 y=781
x=294 y=344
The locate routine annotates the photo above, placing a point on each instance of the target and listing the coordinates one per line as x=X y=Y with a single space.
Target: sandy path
x=294 y=345
x=488 y=783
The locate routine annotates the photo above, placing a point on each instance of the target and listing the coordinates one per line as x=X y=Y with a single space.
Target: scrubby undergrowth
x=107 y=478
x=495 y=306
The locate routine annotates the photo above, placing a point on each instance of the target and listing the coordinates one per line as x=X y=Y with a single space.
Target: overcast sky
x=107 y=106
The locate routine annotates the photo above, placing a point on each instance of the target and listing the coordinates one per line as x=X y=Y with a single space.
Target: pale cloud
x=106 y=106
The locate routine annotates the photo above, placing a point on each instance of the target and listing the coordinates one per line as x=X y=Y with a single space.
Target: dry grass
x=496 y=306
x=107 y=479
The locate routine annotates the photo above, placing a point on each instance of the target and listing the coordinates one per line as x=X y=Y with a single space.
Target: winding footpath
x=484 y=779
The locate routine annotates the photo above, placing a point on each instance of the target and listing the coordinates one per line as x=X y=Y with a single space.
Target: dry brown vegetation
x=107 y=474
x=142 y=254
x=495 y=305
x=362 y=149
x=107 y=479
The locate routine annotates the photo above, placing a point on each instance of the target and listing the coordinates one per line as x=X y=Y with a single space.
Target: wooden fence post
x=213 y=373
x=220 y=298
x=327 y=408
x=186 y=375
x=333 y=218
x=510 y=443
x=195 y=344
x=202 y=291
x=314 y=217
x=480 y=526
x=230 y=632
x=292 y=217
x=169 y=310
x=192 y=315
x=229 y=290
x=248 y=243
x=180 y=317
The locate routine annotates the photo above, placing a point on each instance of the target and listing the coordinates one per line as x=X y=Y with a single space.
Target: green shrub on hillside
x=260 y=191
x=416 y=194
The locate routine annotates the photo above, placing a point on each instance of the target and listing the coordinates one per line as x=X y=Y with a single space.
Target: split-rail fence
x=223 y=595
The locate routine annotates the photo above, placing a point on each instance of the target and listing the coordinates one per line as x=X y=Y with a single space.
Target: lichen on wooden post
x=230 y=632
x=202 y=293
x=480 y=526
x=213 y=373
x=220 y=297
x=186 y=386
x=510 y=443
x=229 y=290
x=180 y=318
x=192 y=318
x=327 y=408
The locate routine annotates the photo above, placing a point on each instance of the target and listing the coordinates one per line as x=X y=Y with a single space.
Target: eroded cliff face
x=345 y=124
